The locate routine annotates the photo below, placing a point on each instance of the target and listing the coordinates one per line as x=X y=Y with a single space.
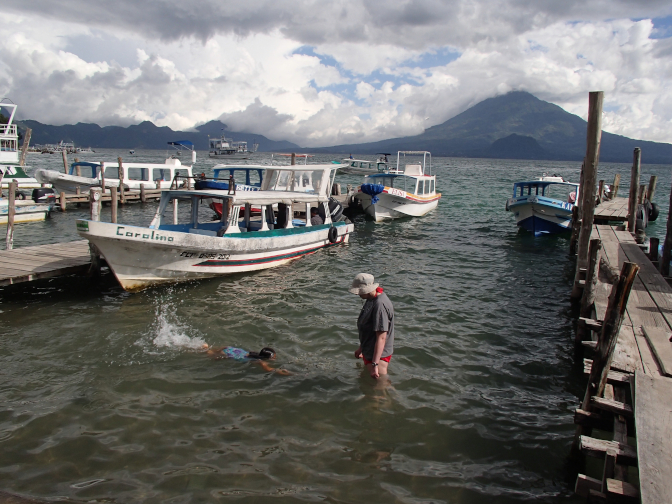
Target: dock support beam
x=588 y=186
x=94 y=199
x=588 y=297
x=11 y=208
x=614 y=186
x=667 y=245
x=634 y=186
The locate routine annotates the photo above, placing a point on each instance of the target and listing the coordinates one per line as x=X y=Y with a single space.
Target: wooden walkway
x=43 y=261
x=642 y=369
x=615 y=210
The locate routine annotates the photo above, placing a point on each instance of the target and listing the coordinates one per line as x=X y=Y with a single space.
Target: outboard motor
x=44 y=195
x=335 y=209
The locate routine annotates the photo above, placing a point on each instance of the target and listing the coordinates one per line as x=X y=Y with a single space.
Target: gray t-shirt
x=377 y=315
x=316 y=220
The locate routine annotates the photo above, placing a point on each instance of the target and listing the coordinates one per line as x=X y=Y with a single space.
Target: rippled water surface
x=105 y=396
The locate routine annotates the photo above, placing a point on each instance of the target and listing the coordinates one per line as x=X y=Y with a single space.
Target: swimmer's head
x=267 y=353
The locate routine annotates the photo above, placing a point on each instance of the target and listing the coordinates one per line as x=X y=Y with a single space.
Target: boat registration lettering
x=566 y=206
x=395 y=192
x=154 y=236
x=221 y=257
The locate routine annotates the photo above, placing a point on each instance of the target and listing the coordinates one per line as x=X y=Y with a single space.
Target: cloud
x=324 y=73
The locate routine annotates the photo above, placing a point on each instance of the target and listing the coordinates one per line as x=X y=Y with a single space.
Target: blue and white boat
x=544 y=206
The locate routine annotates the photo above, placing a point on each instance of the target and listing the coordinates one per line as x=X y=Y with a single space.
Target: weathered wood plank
x=659 y=341
x=598 y=447
x=621 y=488
x=649 y=363
x=612 y=377
x=43 y=261
x=653 y=405
x=617 y=407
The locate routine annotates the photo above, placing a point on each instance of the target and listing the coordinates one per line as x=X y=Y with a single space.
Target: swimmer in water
x=240 y=355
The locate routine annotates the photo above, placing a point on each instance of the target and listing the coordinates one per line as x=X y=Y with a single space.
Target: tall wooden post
x=588 y=297
x=600 y=191
x=94 y=205
x=62 y=201
x=65 y=162
x=143 y=196
x=593 y=140
x=11 y=209
x=634 y=186
x=122 y=196
x=2 y=174
x=614 y=186
x=652 y=188
x=113 y=204
x=24 y=147
x=667 y=245
x=102 y=176
x=293 y=158
x=641 y=194
x=576 y=215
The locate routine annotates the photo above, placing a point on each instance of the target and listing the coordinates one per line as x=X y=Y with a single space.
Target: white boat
x=135 y=175
x=543 y=206
x=366 y=167
x=86 y=151
x=167 y=251
x=400 y=192
x=8 y=173
x=226 y=148
x=26 y=210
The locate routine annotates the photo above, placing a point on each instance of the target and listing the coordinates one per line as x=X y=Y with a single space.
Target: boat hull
x=542 y=216
x=25 y=211
x=143 y=257
x=70 y=183
x=397 y=204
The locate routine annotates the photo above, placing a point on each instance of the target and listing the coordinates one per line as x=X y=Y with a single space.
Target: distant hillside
x=514 y=126
x=145 y=135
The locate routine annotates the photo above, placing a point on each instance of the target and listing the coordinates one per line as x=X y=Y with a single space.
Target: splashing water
x=172 y=333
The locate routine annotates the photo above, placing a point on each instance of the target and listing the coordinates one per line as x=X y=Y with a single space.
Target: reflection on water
x=105 y=395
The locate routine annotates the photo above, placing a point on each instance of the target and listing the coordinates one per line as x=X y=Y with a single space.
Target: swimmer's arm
x=358 y=352
x=267 y=367
x=381 y=337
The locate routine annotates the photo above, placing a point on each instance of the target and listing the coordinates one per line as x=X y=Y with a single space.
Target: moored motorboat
x=226 y=148
x=366 y=167
x=543 y=206
x=407 y=192
x=134 y=175
x=29 y=210
x=168 y=251
x=9 y=173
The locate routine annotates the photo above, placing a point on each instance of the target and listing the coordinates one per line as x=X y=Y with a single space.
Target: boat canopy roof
x=252 y=197
x=182 y=143
x=543 y=183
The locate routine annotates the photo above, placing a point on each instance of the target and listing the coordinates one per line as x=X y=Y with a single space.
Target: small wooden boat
x=29 y=210
x=543 y=206
x=168 y=251
x=407 y=192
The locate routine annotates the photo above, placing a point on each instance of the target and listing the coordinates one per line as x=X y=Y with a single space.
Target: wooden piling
x=62 y=201
x=593 y=140
x=653 y=248
x=122 y=196
x=588 y=297
x=24 y=147
x=664 y=266
x=65 y=162
x=293 y=158
x=576 y=228
x=614 y=186
x=641 y=194
x=113 y=203
x=143 y=196
x=102 y=176
x=652 y=187
x=11 y=210
x=158 y=183
x=600 y=191
x=94 y=199
x=78 y=169
x=634 y=186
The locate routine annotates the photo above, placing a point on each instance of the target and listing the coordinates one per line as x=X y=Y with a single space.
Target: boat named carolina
x=168 y=251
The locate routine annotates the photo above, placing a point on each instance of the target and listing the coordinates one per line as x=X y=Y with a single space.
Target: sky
x=321 y=73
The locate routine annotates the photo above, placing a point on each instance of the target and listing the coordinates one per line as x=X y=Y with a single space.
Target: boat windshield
x=561 y=192
x=247 y=176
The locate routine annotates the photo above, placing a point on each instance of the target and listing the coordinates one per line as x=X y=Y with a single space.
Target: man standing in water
x=375 y=325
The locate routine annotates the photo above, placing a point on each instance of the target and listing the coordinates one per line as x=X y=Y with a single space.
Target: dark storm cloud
x=407 y=23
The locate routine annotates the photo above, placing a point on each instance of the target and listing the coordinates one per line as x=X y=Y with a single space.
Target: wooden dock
x=44 y=261
x=615 y=210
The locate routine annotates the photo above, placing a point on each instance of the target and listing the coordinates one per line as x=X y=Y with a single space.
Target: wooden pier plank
x=43 y=261
x=649 y=363
x=659 y=341
x=653 y=420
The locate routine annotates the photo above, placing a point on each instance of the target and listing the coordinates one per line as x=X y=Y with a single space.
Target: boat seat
x=205 y=232
x=413 y=169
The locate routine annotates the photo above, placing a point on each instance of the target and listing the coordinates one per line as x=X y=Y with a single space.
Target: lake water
x=105 y=397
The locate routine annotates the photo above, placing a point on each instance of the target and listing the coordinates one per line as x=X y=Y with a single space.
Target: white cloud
x=181 y=67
